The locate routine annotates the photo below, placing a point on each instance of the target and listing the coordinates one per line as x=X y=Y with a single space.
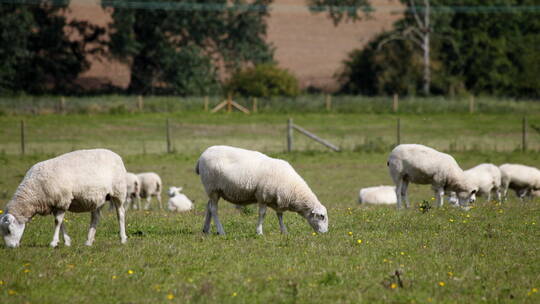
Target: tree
x=37 y=53
x=342 y=10
x=181 y=47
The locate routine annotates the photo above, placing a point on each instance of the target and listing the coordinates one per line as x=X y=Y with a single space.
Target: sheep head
x=11 y=230
x=318 y=219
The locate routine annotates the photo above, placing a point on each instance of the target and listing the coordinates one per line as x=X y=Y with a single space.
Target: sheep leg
x=262 y=214
x=121 y=215
x=147 y=205
x=489 y=196
x=214 y=212
x=207 y=219
x=439 y=193
x=67 y=239
x=159 y=201
x=404 y=195
x=94 y=219
x=282 y=226
x=399 y=186
x=58 y=218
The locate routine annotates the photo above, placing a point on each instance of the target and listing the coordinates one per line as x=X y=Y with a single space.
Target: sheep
x=79 y=181
x=378 y=195
x=245 y=177
x=524 y=180
x=423 y=165
x=178 y=201
x=133 y=188
x=150 y=186
x=486 y=177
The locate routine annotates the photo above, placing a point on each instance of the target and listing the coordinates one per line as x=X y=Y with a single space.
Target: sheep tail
x=158 y=186
x=197 y=168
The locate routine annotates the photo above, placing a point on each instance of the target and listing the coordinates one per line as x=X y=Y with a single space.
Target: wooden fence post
x=524 y=134
x=328 y=102
x=289 y=135
x=62 y=105
x=254 y=110
x=23 y=147
x=398 y=132
x=140 y=103
x=395 y=103
x=206 y=103
x=169 y=147
x=471 y=104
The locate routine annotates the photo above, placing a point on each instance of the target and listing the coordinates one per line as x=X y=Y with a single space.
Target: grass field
x=488 y=254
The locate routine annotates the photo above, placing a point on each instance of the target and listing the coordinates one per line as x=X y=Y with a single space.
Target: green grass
x=489 y=254
x=191 y=132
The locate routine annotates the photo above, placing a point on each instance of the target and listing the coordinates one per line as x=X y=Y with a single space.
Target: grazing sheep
x=178 y=201
x=524 y=180
x=79 y=181
x=486 y=178
x=150 y=186
x=378 y=195
x=423 y=165
x=133 y=188
x=245 y=177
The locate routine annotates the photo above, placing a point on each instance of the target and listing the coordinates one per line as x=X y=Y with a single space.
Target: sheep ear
x=179 y=189
x=473 y=192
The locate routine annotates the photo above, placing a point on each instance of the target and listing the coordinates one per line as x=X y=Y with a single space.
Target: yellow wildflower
x=314 y=233
x=402 y=253
x=1 y=211
x=441 y=283
x=234 y=294
x=359 y=241
x=114 y=277
x=131 y=271
x=534 y=290
x=350 y=233
x=393 y=285
x=450 y=274
x=11 y=292
x=170 y=296
x=451 y=220
x=26 y=270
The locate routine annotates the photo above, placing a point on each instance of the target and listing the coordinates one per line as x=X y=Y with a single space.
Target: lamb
x=150 y=186
x=423 y=165
x=133 y=188
x=487 y=178
x=79 y=181
x=378 y=195
x=245 y=177
x=178 y=201
x=524 y=180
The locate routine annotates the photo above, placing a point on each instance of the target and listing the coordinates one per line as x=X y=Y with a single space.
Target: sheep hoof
x=67 y=243
x=123 y=241
x=54 y=244
x=88 y=243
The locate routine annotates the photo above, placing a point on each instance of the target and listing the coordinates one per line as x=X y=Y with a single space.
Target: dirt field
x=308 y=45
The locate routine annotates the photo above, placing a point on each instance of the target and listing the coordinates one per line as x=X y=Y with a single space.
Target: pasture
x=488 y=254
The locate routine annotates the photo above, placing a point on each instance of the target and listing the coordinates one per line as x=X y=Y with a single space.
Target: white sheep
x=245 y=177
x=423 y=165
x=178 y=201
x=486 y=178
x=150 y=186
x=79 y=181
x=377 y=195
x=524 y=180
x=133 y=188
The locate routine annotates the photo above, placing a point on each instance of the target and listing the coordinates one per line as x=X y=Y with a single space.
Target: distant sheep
x=79 y=181
x=485 y=177
x=244 y=177
x=524 y=180
x=377 y=195
x=178 y=201
x=423 y=165
x=133 y=188
x=150 y=186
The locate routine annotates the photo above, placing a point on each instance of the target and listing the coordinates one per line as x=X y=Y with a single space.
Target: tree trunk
x=426 y=48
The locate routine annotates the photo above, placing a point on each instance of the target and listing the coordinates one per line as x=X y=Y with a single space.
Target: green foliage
x=342 y=10
x=478 y=47
x=37 y=52
x=178 y=49
x=265 y=80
